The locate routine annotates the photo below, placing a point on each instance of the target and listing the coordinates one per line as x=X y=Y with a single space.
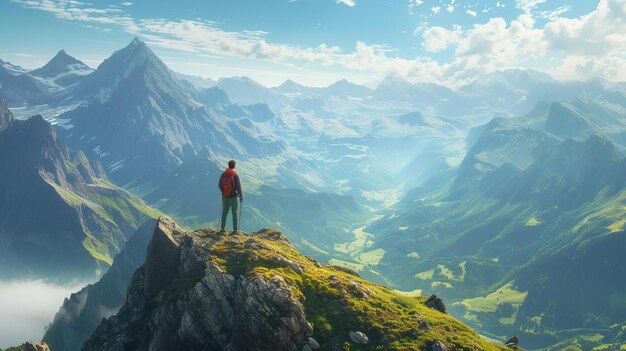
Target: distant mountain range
x=485 y=195
x=61 y=217
x=521 y=238
x=160 y=138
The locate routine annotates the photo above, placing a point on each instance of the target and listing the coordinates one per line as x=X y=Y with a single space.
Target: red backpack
x=227 y=184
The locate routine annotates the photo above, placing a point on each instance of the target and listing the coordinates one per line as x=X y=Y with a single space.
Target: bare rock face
x=179 y=300
x=358 y=337
x=439 y=346
x=36 y=346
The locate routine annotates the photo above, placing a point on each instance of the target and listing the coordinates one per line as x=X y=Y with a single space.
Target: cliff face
x=79 y=315
x=209 y=291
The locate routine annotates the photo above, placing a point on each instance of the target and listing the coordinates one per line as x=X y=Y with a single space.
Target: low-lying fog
x=27 y=307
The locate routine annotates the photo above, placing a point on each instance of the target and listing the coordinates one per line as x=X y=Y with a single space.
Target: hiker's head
x=232 y=164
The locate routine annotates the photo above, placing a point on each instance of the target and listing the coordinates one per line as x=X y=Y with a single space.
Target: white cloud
x=528 y=5
x=554 y=14
x=593 y=45
x=450 y=8
x=499 y=4
x=126 y=3
x=347 y=2
x=600 y=33
x=595 y=42
x=413 y=4
x=438 y=38
x=27 y=308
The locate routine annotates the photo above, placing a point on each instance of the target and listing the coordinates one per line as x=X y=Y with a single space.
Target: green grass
x=612 y=212
x=414 y=293
x=371 y=257
x=98 y=249
x=533 y=221
x=15 y=348
x=507 y=320
x=426 y=275
x=360 y=242
x=354 y=266
x=444 y=284
x=337 y=302
x=113 y=209
x=313 y=247
x=593 y=337
x=505 y=294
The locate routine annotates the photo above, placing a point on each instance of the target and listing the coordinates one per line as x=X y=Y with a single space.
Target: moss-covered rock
x=209 y=291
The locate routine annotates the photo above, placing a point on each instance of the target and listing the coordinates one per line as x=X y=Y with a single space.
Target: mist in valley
x=27 y=307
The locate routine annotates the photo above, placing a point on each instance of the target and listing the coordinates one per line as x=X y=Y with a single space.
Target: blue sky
x=316 y=42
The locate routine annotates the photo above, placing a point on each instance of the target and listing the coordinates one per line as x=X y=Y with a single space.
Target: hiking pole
x=219 y=219
x=240 y=210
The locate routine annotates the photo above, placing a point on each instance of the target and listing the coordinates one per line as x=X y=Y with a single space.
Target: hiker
x=230 y=186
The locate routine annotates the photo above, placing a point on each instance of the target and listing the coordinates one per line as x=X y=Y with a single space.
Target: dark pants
x=230 y=203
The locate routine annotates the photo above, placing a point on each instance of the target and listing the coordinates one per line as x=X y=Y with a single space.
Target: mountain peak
x=137 y=43
x=290 y=83
x=132 y=66
x=289 y=86
x=61 y=65
x=135 y=47
x=344 y=87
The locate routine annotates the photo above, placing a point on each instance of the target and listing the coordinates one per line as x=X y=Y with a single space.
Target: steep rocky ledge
x=204 y=290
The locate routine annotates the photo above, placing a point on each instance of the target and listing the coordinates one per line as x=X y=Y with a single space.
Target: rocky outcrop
x=436 y=302
x=513 y=344
x=36 y=346
x=512 y=341
x=439 y=346
x=213 y=310
x=205 y=290
x=358 y=337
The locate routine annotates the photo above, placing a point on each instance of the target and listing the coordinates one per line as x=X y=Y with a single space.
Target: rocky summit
x=207 y=290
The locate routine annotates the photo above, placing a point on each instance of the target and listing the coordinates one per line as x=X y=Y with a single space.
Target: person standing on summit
x=230 y=186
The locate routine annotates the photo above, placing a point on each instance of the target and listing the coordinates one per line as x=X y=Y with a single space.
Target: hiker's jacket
x=238 y=191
